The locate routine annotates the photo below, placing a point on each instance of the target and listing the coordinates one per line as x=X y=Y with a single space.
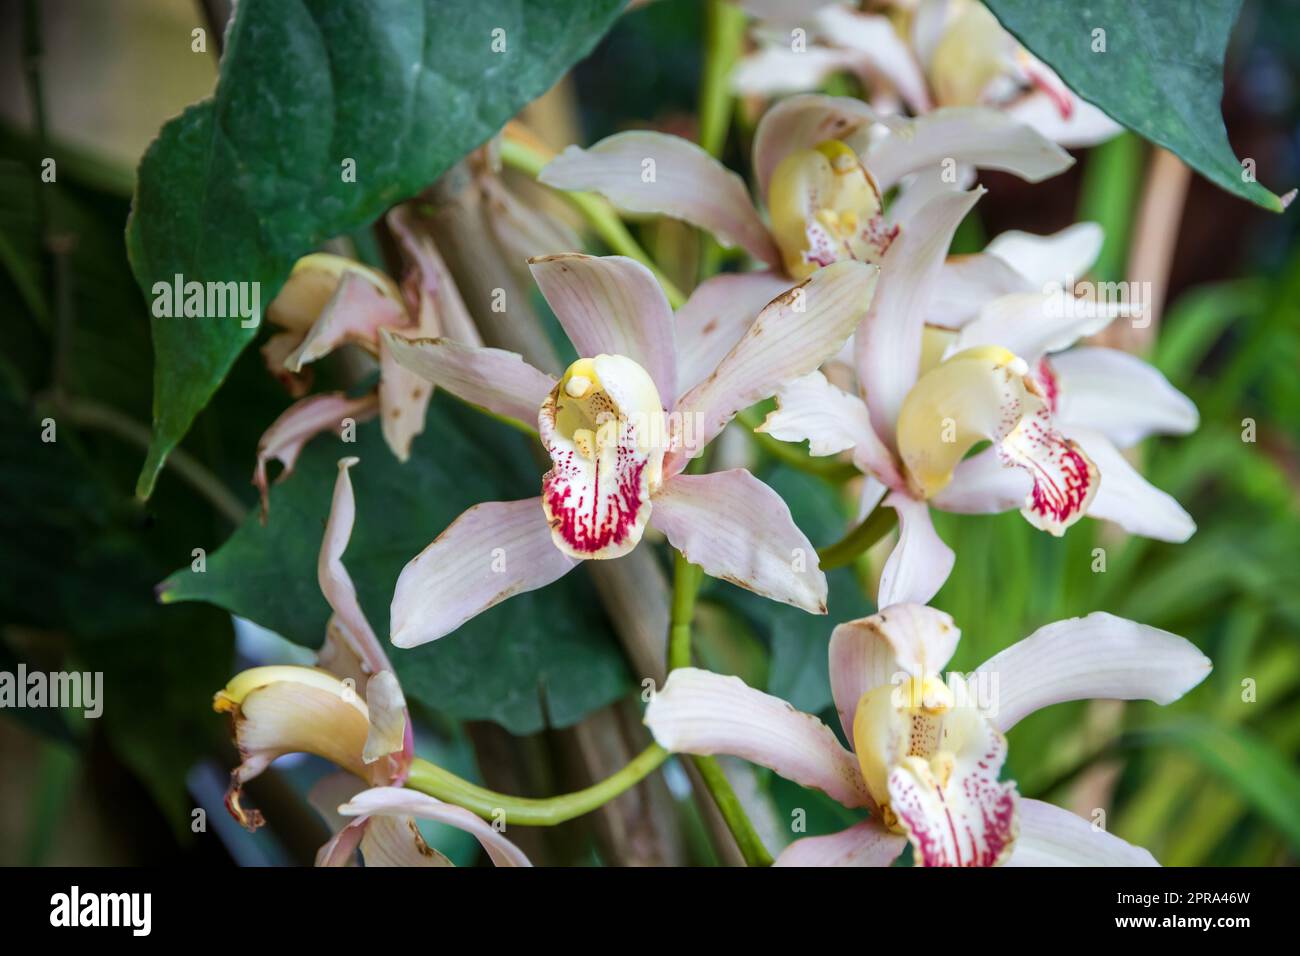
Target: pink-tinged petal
x=500 y=381
x=1119 y=395
x=428 y=287
x=952 y=806
x=329 y=792
x=389 y=724
x=888 y=342
x=612 y=305
x=299 y=424
x=966 y=283
x=1063 y=257
x=398 y=802
x=355 y=313
x=656 y=173
x=1083 y=125
x=869 y=652
x=831 y=421
x=792 y=336
x=714 y=318
x=278 y=348
x=984 y=138
x=920 y=562
x=491 y=552
x=881 y=52
x=982 y=484
x=403 y=400
x=1050 y=836
x=802 y=122
x=738 y=529
x=1031 y=324
x=521 y=230
x=863 y=844
x=383 y=841
x=699 y=712
x=1128 y=499
x=341 y=849
x=604 y=428
x=1099 y=656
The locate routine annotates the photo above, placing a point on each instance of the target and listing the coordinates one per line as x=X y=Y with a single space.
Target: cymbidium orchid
x=329 y=301
x=926 y=754
x=352 y=712
x=823 y=192
x=620 y=426
x=975 y=349
x=930 y=54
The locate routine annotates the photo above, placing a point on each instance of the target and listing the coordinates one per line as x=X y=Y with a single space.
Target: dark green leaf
x=546 y=657
x=239 y=186
x=1161 y=73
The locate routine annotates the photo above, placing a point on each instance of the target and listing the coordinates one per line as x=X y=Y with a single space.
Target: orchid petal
x=775 y=69
x=803 y=122
x=1086 y=125
x=953 y=808
x=1128 y=499
x=831 y=421
x=1063 y=257
x=491 y=552
x=612 y=305
x=1119 y=395
x=863 y=844
x=1031 y=324
x=430 y=290
x=869 y=652
x=920 y=563
x=984 y=138
x=1051 y=836
x=699 y=712
x=403 y=400
x=363 y=303
x=881 y=52
x=966 y=283
x=299 y=424
x=738 y=529
x=1098 y=656
x=982 y=484
x=399 y=802
x=656 y=173
x=888 y=342
x=604 y=428
x=714 y=318
x=500 y=381
x=793 y=336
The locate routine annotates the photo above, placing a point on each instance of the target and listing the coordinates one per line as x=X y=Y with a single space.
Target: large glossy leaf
x=238 y=186
x=546 y=657
x=1161 y=73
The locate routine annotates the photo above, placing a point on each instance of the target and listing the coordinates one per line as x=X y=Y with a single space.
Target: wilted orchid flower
x=824 y=197
x=329 y=301
x=352 y=712
x=930 y=54
x=992 y=364
x=620 y=426
x=926 y=755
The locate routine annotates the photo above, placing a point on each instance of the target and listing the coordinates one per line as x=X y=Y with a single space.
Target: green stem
x=846 y=550
x=686 y=583
x=724 y=35
x=599 y=213
x=528 y=811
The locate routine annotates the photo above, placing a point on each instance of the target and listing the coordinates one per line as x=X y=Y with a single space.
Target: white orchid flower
x=993 y=363
x=932 y=55
x=329 y=301
x=926 y=755
x=620 y=426
x=824 y=197
x=352 y=712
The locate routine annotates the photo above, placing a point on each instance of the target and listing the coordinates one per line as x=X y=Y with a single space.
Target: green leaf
x=1259 y=773
x=239 y=186
x=1161 y=74
x=547 y=657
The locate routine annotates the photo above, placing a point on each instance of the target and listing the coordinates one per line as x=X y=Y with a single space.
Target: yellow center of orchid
x=959 y=402
x=589 y=415
x=825 y=207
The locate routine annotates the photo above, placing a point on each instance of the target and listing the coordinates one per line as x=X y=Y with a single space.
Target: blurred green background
x=1213 y=779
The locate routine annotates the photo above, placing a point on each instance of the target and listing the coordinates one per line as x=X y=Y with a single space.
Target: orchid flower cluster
x=949 y=382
